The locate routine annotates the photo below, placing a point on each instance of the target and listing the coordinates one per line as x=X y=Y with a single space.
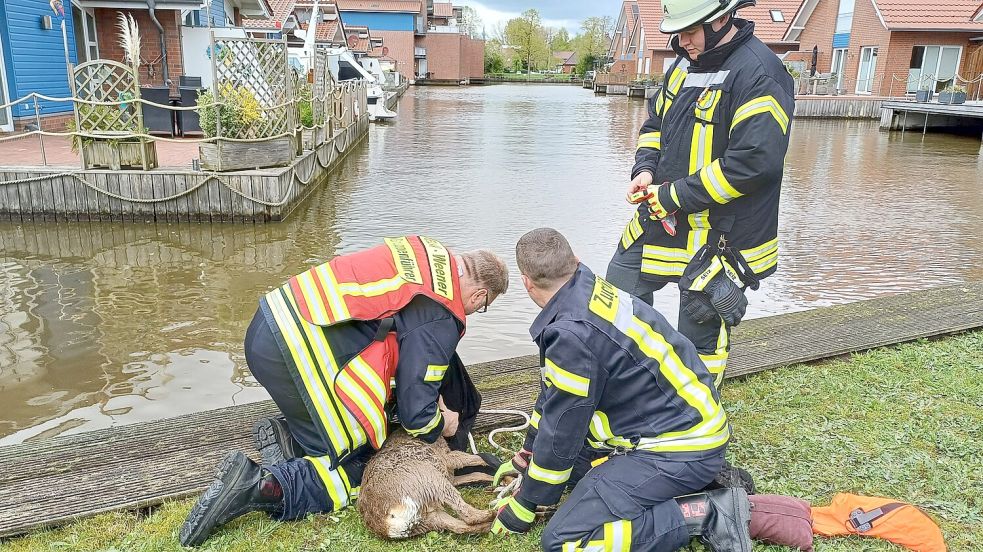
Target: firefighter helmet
x=682 y=14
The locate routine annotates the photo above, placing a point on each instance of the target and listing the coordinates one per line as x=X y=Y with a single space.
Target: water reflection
x=103 y=324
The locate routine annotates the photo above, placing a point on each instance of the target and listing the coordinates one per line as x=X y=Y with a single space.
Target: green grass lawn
x=904 y=422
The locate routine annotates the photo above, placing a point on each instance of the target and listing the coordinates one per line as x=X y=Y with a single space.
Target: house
x=287 y=16
x=889 y=47
x=771 y=20
x=34 y=57
x=566 y=62
x=624 y=46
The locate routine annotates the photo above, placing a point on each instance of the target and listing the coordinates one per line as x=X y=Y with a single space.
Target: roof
x=563 y=56
x=326 y=30
x=408 y=6
x=929 y=15
x=280 y=9
x=765 y=28
x=443 y=9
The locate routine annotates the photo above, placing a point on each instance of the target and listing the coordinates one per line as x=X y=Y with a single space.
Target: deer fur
x=409 y=489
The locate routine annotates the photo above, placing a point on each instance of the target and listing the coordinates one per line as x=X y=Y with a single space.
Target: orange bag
x=883 y=518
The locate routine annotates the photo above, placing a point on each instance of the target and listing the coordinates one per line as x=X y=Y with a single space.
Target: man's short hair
x=545 y=257
x=488 y=270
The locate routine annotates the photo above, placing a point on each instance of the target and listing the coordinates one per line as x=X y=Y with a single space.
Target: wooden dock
x=908 y=115
x=838 y=107
x=57 y=480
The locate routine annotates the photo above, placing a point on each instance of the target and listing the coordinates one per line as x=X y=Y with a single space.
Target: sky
x=555 y=13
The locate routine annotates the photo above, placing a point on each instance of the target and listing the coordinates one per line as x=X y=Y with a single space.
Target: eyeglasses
x=484 y=309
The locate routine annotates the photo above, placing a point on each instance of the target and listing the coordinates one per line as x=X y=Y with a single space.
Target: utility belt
x=713 y=283
x=620 y=446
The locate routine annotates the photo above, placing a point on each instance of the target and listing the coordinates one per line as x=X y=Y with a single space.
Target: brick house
x=565 y=62
x=891 y=47
x=624 y=50
x=771 y=20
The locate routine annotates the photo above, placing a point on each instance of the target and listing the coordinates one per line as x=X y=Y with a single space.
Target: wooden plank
x=50 y=481
x=11 y=197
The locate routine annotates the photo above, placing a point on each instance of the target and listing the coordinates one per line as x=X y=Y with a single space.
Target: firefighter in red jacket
x=342 y=348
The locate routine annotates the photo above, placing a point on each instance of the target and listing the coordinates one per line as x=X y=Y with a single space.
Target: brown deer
x=409 y=485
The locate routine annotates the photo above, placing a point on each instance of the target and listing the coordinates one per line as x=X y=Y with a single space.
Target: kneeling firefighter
x=619 y=385
x=708 y=174
x=343 y=349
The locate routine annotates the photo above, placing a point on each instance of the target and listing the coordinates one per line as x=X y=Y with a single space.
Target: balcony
x=419 y=52
x=446 y=29
x=421 y=26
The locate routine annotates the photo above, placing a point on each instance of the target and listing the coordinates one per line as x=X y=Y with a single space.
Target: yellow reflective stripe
x=716 y=364
x=427 y=428
x=676 y=80
x=600 y=427
x=662 y=268
x=615 y=306
x=716 y=439
x=318 y=310
x=435 y=372
x=632 y=232
x=440 y=267
x=534 y=421
x=650 y=140
x=335 y=483
x=763 y=104
x=565 y=380
x=666 y=253
x=699 y=224
x=701 y=147
x=665 y=261
x=551 y=477
x=700 y=281
x=285 y=313
x=371 y=289
x=762 y=257
x=673 y=194
x=370 y=377
x=405 y=259
x=520 y=511
x=375 y=416
x=617 y=536
x=330 y=285
x=716 y=184
x=660 y=103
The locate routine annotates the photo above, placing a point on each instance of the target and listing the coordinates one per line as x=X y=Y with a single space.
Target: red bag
x=781 y=520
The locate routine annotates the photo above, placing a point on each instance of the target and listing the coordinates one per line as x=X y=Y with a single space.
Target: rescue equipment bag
x=884 y=518
x=712 y=287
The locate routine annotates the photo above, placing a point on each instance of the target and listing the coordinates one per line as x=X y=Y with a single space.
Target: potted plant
x=104 y=144
x=235 y=118
x=924 y=95
x=953 y=94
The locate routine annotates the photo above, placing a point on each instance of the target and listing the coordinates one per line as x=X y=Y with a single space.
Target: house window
x=933 y=67
x=777 y=16
x=844 y=17
x=84 y=24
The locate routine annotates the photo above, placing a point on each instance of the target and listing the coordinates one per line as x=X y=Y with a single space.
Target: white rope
x=494 y=432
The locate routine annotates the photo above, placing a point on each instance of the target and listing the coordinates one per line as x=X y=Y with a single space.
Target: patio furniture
x=158 y=120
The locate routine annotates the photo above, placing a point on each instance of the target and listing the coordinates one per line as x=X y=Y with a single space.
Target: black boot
x=721 y=518
x=732 y=476
x=274 y=441
x=240 y=487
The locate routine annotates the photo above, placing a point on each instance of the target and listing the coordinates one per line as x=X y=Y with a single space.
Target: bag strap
x=385 y=326
x=864 y=521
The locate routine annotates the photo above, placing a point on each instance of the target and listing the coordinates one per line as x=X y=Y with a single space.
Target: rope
x=508 y=429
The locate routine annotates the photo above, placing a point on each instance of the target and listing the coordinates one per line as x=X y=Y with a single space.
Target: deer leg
x=471 y=515
x=476 y=477
x=442 y=521
x=457 y=459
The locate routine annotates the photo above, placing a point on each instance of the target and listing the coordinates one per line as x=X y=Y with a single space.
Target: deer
x=409 y=486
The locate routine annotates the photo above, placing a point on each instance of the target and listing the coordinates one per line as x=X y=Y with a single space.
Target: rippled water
x=105 y=324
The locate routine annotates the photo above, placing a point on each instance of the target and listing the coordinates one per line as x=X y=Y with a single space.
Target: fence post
x=37 y=121
x=215 y=95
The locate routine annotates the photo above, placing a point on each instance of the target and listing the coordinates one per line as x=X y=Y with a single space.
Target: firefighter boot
x=240 y=487
x=721 y=518
x=732 y=476
x=274 y=441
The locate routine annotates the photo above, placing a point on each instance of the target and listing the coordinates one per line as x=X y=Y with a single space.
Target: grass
x=904 y=422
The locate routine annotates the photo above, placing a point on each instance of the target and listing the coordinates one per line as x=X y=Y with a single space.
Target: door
x=84 y=23
x=868 y=67
x=933 y=67
x=6 y=124
x=839 y=66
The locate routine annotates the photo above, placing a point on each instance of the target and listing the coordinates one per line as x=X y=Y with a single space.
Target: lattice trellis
x=107 y=81
x=258 y=72
x=322 y=87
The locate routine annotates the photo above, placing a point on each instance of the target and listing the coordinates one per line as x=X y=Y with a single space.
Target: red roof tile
x=280 y=9
x=768 y=30
x=443 y=9
x=930 y=14
x=410 y=6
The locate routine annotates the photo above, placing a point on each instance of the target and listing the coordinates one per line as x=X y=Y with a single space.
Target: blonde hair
x=488 y=270
x=545 y=257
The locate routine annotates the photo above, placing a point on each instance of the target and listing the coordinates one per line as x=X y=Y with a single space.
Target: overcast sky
x=555 y=13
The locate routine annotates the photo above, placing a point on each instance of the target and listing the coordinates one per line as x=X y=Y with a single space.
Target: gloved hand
x=659 y=198
x=514 y=516
x=727 y=299
x=513 y=467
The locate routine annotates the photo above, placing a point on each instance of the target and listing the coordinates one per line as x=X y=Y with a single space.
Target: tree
x=471 y=23
x=560 y=41
x=494 y=60
x=526 y=36
x=593 y=42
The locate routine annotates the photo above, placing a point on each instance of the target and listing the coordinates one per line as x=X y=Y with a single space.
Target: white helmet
x=683 y=14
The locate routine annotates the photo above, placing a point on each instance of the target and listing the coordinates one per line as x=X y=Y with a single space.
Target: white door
x=839 y=66
x=933 y=67
x=6 y=124
x=868 y=68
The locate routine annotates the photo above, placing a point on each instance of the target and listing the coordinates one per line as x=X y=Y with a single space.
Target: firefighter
x=602 y=350
x=708 y=174
x=335 y=347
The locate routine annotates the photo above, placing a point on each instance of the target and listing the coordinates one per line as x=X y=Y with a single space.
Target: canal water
x=104 y=324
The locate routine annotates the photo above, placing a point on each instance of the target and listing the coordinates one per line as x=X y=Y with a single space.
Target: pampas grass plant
x=129 y=38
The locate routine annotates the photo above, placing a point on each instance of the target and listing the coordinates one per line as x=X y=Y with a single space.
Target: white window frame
x=9 y=125
x=89 y=41
x=844 y=54
x=868 y=89
x=938 y=63
x=777 y=16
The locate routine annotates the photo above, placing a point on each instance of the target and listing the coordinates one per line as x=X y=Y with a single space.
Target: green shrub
x=239 y=111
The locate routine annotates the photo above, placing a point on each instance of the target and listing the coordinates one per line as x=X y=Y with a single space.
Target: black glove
x=727 y=299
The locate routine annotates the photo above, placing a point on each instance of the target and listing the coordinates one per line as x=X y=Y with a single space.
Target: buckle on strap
x=862 y=521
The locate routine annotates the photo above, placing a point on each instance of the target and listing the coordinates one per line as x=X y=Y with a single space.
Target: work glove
x=659 y=199
x=513 y=467
x=515 y=515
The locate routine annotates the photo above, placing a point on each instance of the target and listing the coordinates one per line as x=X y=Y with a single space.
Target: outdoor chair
x=157 y=119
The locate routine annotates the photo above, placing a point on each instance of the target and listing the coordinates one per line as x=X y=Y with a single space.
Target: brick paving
x=26 y=152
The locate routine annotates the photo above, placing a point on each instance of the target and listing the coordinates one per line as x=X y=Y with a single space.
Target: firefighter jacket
x=616 y=376
x=360 y=325
x=718 y=132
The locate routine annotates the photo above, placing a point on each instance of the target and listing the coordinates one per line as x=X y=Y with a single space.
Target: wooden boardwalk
x=57 y=480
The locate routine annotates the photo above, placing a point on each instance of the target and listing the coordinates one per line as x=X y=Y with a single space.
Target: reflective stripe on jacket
x=616 y=375
x=348 y=402
x=719 y=134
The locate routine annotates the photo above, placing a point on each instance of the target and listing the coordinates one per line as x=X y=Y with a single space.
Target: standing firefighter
x=708 y=174
x=621 y=382
x=336 y=347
